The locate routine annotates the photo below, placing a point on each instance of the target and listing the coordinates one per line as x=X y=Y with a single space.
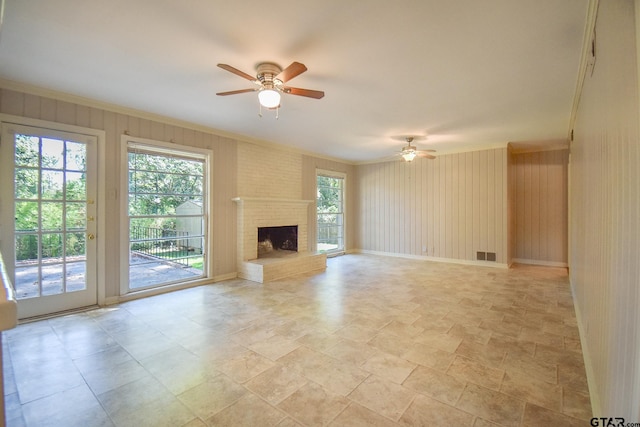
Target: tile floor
x=372 y=341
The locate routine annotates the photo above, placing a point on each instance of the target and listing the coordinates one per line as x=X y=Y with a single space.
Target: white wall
x=605 y=216
x=450 y=207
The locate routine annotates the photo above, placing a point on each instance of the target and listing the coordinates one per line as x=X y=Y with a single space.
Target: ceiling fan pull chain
x=260 y=110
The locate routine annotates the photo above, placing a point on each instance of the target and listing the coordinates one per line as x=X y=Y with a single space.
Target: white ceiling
x=470 y=73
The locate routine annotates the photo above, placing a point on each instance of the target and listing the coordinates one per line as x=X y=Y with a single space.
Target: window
x=166 y=211
x=330 y=212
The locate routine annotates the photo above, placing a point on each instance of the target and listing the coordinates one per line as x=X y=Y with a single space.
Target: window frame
x=179 y=151
x=338 y=175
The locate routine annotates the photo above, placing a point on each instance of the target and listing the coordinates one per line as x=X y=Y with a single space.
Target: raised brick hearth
x=259 y=212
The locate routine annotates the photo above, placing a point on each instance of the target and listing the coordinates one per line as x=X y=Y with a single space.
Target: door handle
x=91 y=236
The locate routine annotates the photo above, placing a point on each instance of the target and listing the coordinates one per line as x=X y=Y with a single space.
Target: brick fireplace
x=254 y=213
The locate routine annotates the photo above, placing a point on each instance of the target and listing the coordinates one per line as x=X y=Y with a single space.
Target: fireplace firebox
x=270 y=239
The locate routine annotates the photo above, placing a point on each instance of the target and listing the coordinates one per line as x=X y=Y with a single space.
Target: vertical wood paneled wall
x=115 y=124
x=605 y=215
x=309 y=166
x=541 y=201
x=450 y=207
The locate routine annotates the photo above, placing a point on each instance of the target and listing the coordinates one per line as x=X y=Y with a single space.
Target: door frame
x=100 y=136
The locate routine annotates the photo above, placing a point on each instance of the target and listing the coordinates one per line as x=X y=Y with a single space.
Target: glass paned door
x=330 y=213
x=53 y=219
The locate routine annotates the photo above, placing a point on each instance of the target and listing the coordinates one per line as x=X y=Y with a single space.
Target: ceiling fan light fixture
x=269 y=98
x=408 y=155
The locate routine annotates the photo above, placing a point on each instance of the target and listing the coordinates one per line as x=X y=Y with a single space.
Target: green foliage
x=53 y=171
x=158 y=184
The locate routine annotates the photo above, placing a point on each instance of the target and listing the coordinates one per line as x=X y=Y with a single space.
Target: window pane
x=52 y=279
x=51 y=247
x=26 y=216
x=26 y=247
x=27 y=280
x=76 y=156
x=75 y=246
x=27 y=150
x=75 y=277
x=52 y=153
x=26 y=183
x=52 y=182
x=76 y=216
x=52 y=214
x=76 y=186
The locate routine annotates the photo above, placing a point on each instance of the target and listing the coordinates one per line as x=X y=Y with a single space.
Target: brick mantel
x=254 y=212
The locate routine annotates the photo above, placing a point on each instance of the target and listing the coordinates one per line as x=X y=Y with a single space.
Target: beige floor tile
x=468 y=370
x=512 y=345
x=425 y=411
x=541 y=337
x=358 y=416
x=245 y=367
x=319 y=340
x=289 y=422
x=527 y=366
x=531 y=389
x=196 y=422
x=129 y=398
x=470 y=333
x=535 y=416
x=313 y=405
x=481 y=353
x=165 y=412
x=573 y=377
x=336 y=376
x=442 y=341
x=302 y=343
x=390 y=343
x=436 y=384
x=212 y=396
x=383 y=397
x=491 y=405
x=274 y=347
x=434 y=323
x=249 y=410
x=429 y=356
x=276 y=383
x=484 y=423
x=389 y=366
x=502 y=327
x=351 y=351
x=576 y=404
x=402 y=329
x=357 y=333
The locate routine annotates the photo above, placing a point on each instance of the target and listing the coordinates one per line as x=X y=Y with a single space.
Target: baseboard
x=596 y=406
x=539 y=262
x=434 y=259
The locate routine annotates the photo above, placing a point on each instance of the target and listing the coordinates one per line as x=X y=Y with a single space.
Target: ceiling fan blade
x=293 y=70
x=237 y=72
x=425 y=155
x=233 y=92
x=317 y=94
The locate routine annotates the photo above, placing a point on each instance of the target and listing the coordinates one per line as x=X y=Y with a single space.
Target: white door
x=49 y=218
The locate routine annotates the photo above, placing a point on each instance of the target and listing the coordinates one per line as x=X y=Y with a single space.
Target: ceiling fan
x=410 y=152
x=270 y=82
